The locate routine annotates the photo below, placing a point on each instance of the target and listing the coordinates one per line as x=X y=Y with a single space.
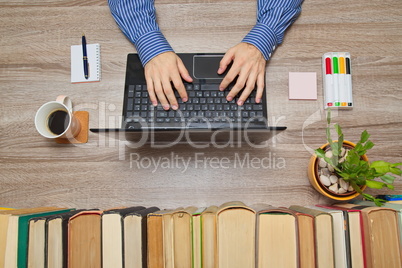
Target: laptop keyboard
x=206 y=107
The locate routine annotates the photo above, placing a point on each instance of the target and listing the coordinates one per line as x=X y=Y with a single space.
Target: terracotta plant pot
x=322 y=189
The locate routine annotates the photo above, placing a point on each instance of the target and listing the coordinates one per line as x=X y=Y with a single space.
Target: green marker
x=336 y=80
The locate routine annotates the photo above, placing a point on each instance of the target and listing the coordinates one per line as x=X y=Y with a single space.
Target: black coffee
x=58 y=121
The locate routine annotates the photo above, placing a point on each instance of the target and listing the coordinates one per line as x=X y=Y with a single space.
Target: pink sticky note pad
x=302 y=86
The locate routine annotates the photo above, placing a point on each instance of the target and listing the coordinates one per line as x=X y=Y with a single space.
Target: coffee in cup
x=55 y=119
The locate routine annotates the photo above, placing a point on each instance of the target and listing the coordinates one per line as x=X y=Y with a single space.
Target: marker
x=329 y=94
x=349 y=83
x=336 y=80
x=343 y=93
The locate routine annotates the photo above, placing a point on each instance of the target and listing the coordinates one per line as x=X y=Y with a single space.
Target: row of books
x=232 y=235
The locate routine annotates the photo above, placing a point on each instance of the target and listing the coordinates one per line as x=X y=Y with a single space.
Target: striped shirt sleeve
x=137 y=20
x=273 y=17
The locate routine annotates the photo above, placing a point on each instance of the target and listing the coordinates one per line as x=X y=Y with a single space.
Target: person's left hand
x=249 y=66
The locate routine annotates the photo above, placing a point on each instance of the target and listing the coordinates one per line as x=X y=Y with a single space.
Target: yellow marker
x=342 y=69
x=343 y=95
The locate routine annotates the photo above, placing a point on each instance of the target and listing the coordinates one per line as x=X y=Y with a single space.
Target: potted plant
x=341 y=170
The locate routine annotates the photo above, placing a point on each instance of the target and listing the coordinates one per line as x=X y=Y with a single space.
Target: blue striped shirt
x=137 y=20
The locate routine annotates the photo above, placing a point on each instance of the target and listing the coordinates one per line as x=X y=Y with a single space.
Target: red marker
x=329 y=94
x=328 y=66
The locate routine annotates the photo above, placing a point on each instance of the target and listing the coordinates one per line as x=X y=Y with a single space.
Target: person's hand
x=163 y=71
x=249 y=66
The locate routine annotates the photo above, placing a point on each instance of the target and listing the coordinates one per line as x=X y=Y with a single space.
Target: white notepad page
x=77 y=65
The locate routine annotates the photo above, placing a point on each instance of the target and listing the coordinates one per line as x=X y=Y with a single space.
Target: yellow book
x=277 y=238
x=182 y=237
x=208 y=236
x=235 y=230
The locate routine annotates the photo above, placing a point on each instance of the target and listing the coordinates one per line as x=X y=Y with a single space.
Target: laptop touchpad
x=206 y=67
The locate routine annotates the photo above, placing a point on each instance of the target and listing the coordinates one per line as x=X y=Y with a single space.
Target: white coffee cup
x=55 y=119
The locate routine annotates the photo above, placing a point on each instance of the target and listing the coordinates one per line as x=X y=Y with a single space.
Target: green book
x=19 y=228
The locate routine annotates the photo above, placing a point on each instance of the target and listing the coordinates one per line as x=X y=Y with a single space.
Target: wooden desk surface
x=35 y=67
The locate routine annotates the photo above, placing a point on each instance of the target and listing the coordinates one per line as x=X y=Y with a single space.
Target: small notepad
x=77 y=65
x=302 y=86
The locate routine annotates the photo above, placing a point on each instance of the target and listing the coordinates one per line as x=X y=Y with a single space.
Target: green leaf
x=335 y=149
x=344 y=175
x=396 y=171
x=364 y=137
x=338 y=129
x=353 y=158
x=375 y=184
x=358 y=147
x=340 y=140
x=368 y=197
x=329 y=136
x=390 y=186
x=379 y=202
x=368 y=145
x=320 y=152
x=381 y=166
x=329 y=116
x=388 y=179
x=356 y=187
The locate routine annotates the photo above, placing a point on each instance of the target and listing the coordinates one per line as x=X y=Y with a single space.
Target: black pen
x=85 y=57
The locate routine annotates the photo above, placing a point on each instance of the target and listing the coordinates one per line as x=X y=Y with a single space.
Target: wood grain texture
x=35 y=67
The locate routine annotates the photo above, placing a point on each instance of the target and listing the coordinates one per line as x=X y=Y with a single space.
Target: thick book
x=381 y=235
x=323 y=235
x=135 y=238
x=168 y=246
x=306 y=240
x=354 y=225
x=208 y=237
x=112 y=236
x=340 y=236
x=277 y=238
x=155 y=252
x=4 y=219
x=397 y=207
x=182 y=237
x=38 y=240
x=236 y=226
x=17 y=237
x=84 y=239
x=37 y=243
x=77 y=64
x=56 y=230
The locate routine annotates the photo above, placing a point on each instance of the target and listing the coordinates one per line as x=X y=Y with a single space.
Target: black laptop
x=206 y=117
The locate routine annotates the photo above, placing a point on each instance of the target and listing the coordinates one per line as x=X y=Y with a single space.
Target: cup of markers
x=337 y=80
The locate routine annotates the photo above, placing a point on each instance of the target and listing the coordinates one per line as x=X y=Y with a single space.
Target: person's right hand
x=163 y=71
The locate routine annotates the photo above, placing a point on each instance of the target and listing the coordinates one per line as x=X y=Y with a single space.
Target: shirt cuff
x=151 y=45
x=262 y=37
